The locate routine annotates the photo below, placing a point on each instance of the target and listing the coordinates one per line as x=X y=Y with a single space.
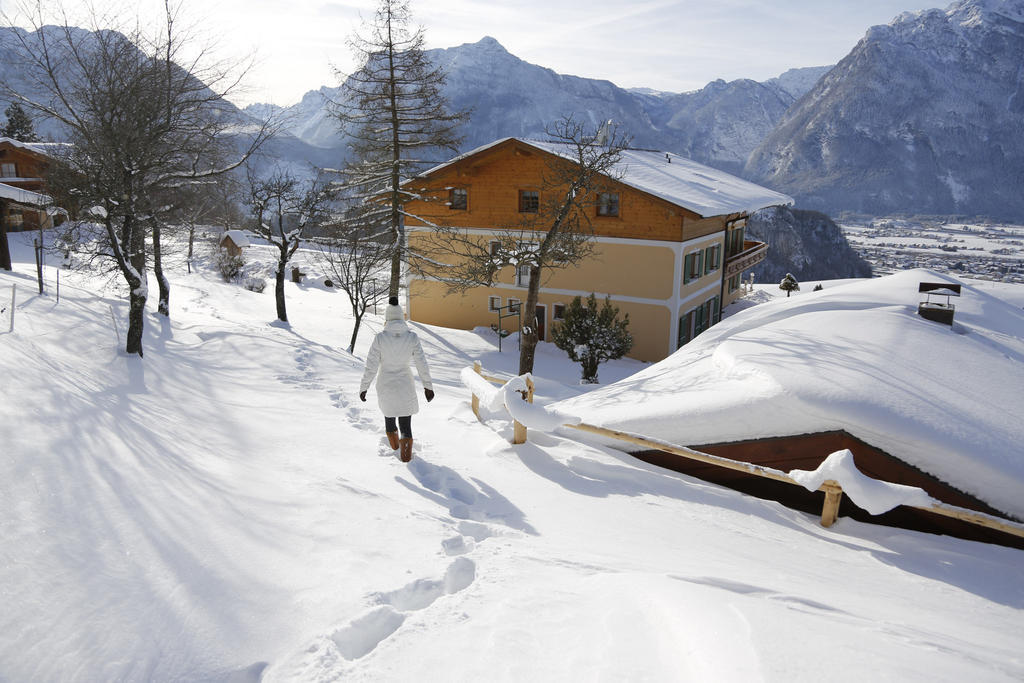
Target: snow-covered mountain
x=285 y=149
x=718 y=125
x=925 y=115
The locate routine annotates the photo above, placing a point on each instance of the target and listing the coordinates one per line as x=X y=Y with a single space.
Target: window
x=685 y=328
x=734 y=283
x=15 y=218
x=458 y=199
x=494 y=303
x=8 y=170
x=608 y=204
x=714 y=310
x=558 y=312
x=513 y=305
x=696 y=320
x=523 y=275
x=692 y=266
x=712 y=258
x=734 y=242
x=529 y=201
x=495 y=247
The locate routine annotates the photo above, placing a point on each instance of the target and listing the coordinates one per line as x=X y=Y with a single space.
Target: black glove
x=429 y=393
x=362 y=396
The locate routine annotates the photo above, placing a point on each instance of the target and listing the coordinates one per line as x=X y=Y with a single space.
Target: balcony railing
x=752 y=254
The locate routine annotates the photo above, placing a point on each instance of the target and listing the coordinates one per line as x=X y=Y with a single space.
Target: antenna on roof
x=603 y=132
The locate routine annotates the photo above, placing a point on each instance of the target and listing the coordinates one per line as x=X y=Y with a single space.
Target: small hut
x=234 y=241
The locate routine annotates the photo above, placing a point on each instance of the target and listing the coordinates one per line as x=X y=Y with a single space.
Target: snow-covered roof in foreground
x=16 y=194
x=704 y=190
x=856 y=357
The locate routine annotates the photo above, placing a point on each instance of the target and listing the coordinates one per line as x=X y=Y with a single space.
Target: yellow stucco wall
x=430 y=301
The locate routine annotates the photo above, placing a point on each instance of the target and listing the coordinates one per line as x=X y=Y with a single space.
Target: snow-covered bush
x=591 y=336
x=255 y=284
x=230 y=265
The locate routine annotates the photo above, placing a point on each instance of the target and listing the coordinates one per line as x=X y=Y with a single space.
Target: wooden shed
x=234 y=241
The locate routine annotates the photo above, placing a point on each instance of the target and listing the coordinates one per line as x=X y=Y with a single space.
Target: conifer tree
x=393 y=111
x=19 y=125
x=591 y=336
x=789 y=284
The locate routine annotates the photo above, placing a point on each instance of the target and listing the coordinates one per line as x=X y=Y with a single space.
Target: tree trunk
x=528 y=334
x=282 y=314
x=136 y=238
x=164 y=287
x=191 y=242
x=358 y=315
x=5 y=250
x=590 y=364
x=397 y=225
x=136 y=313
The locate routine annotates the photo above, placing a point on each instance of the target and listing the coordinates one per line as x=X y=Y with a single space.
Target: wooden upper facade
x=660 y=249
x=22 y=185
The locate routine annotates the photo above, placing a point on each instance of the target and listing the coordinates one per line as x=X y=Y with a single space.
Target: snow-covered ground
x=227 y=509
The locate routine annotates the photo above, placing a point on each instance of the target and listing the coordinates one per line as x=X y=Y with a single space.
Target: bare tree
x=283 y=206
x=394 y=112
x=580 y=168
x=141 y=119
x=358 y=265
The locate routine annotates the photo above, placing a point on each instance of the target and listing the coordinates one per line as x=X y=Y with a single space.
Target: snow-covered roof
x=858 y=357
x=16 y=194
x=44 y=148
x=237 y=236
x=704 y=190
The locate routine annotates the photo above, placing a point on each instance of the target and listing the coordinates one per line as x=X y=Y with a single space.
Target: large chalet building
x=668 y=233
x=23 y=200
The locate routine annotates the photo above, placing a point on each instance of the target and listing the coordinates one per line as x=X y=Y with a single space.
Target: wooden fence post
x=519 y=430
x=833 y=496
x=14 y=295
x=478 y=369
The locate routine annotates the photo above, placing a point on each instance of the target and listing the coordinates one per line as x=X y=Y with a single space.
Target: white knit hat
x=393 y=311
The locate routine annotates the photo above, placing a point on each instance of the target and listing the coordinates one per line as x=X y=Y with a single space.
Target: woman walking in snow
x=388 y=360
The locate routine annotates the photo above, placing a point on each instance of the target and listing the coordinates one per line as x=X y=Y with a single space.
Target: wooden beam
x=979 y=518
x=478 y=369
x=833 y=496
x=654 y=444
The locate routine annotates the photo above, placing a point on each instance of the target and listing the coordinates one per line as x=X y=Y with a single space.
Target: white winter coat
x=388 y=360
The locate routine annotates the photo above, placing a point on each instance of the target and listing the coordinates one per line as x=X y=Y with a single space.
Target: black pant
x=404 y=424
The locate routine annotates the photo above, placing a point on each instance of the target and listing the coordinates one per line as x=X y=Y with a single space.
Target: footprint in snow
x=354 y=413
x=363 y=634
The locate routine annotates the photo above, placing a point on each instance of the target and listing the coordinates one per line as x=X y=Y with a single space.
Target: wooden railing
x=752 y=254
x=833 y=491
x=518 y=429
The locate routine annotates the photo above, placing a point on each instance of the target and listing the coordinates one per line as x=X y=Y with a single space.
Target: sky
x=674 y=46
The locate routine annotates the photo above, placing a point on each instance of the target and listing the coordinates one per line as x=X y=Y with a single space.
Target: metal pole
x=14 y=292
